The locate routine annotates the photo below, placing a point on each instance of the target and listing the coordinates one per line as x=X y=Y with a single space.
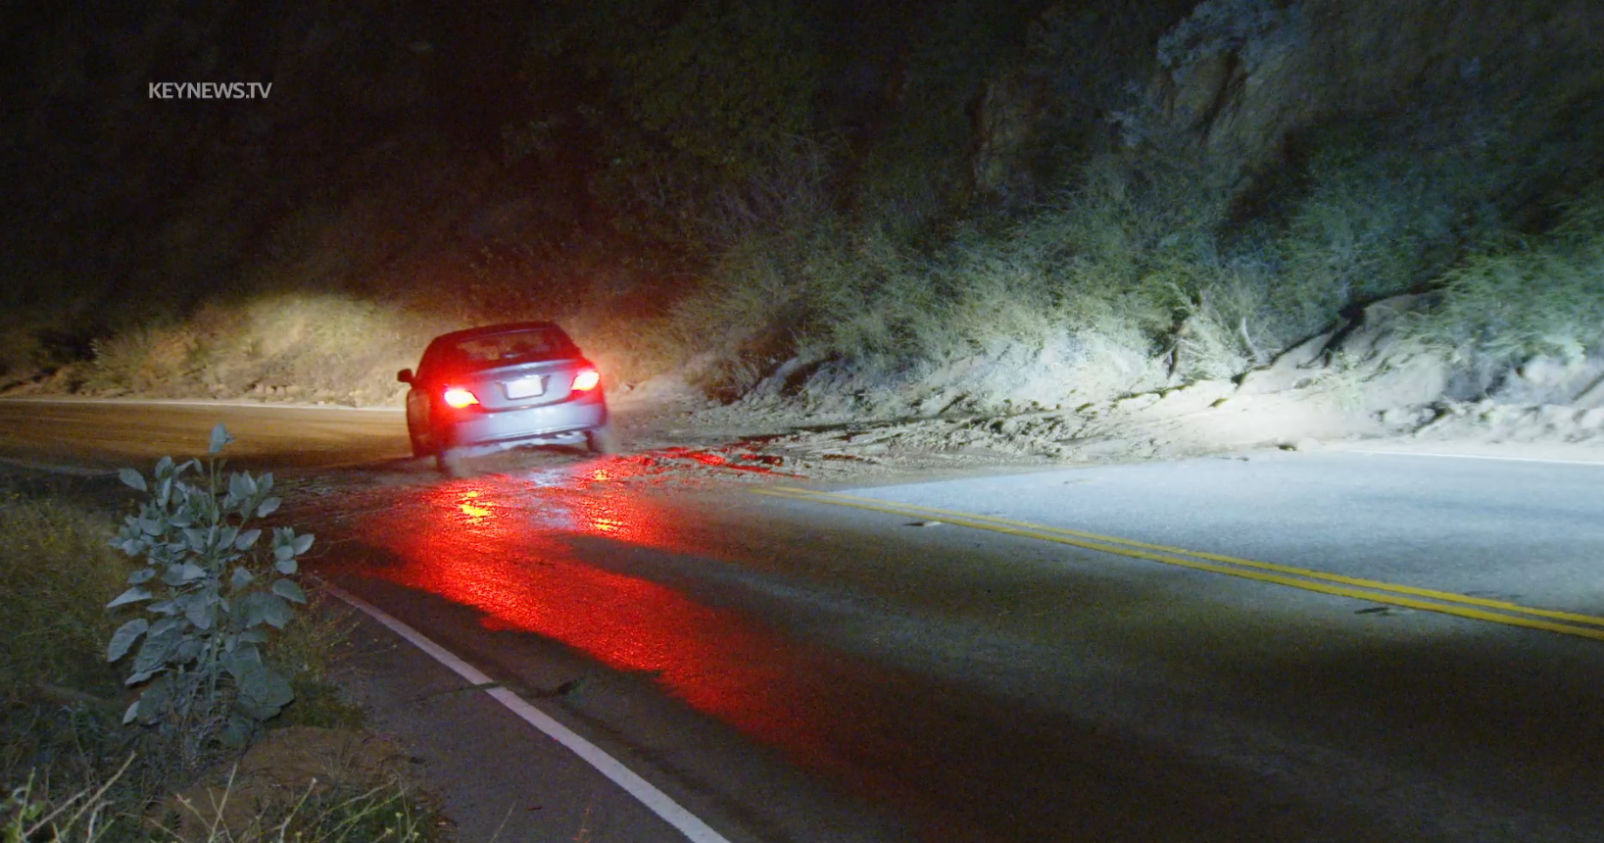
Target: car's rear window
x=492 y=350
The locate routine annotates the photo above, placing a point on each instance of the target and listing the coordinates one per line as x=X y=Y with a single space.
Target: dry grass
x=1539 y=295
x=59 y=572
x=380 y=812
x=310 y=347
x=344 y=348
x=1103 y=265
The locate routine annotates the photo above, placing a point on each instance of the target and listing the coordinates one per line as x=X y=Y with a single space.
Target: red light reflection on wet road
x=502 y=547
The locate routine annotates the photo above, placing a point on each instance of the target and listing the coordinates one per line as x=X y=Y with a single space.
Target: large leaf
x=252 y=636
x=202 y=611
x=260 y=607
x=289 y=590
x=131 y=713
x=125 y=636
x=242 y=658
x=220 y=439
x=197 y=539
x=268 y=507
x=154 y=653
x=143 y=575
x=241 y=486
x=286 y=566
x=132 y=595
x=262 y=692
x=241 y=578
x=247 y=539
x=133 y=479
x=187 y=651
x=156 y=699
x=303 y=543
x=183 y=573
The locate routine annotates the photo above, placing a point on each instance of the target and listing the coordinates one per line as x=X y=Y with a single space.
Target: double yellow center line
x=1357 y=588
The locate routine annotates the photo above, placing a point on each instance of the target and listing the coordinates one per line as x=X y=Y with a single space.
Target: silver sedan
x=509 y=384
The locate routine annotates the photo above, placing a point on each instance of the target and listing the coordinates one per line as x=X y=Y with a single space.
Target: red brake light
x=586 y=380
x=458 y=397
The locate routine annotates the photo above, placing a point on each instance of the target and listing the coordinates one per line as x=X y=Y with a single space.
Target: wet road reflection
x=1001 y=743
x=502 y=546
x=515 y=548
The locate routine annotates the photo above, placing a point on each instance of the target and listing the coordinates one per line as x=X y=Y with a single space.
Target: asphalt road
x=99 y=434
x=1295 y=647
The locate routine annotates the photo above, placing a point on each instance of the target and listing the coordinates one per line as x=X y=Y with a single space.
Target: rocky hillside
x=961 y=202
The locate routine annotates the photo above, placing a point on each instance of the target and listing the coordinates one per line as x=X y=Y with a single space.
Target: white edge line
x=197 y=402
x=1599 y=463
x=657 y=801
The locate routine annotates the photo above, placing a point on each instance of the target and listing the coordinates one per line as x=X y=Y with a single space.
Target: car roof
x=500 y=328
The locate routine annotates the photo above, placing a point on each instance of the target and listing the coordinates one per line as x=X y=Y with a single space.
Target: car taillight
x=458 y=397
x=586 y=380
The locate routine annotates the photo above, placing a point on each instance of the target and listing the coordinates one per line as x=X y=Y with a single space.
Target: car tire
x=602 y=440
x=418 y=451
x=449 y=461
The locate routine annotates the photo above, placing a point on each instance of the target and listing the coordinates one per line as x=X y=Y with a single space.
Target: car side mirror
x=404 y=376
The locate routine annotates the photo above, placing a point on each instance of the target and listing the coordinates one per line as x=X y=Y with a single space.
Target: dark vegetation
x=78 y=763
x=1112 y=194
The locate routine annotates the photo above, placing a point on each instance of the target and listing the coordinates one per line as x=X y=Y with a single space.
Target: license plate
x=525 y=387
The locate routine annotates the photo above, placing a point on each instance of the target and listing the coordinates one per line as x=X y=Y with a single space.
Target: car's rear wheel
x=418 y=449
x=602 y=440
x=448 y=455
x=449 y=461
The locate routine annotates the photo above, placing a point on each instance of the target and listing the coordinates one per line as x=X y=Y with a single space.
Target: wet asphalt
x=870 y=664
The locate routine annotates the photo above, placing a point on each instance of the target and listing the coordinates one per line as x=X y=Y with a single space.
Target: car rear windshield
x=493 y=350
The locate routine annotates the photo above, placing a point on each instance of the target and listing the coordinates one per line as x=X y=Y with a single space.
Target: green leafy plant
x=210 y=591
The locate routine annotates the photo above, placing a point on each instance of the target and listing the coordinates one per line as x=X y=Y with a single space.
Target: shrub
x=1114 y=262
x=208 y=603
x=142 y=358
x=1537 y=295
